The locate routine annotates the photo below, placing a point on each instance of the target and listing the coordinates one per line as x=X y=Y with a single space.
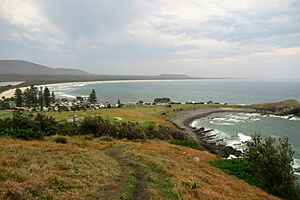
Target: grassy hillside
x=94 y=169
x=280 y=108
x=281 y=104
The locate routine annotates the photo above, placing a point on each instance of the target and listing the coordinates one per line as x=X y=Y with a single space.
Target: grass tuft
x=186 y=143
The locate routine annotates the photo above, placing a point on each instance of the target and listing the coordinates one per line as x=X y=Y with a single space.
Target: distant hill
x=20 y=67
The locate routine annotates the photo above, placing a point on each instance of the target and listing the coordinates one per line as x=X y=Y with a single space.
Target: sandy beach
x=11 y=92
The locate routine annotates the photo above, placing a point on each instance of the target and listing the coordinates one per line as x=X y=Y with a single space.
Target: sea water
x=217 y=90
x=232 y=129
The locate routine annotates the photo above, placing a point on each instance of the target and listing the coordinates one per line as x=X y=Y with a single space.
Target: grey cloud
x=121 y=37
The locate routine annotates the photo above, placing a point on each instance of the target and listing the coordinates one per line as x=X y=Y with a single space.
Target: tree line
x=34 y=97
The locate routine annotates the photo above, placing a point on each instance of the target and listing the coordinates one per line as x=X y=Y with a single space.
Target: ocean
x=236 y=128
x=217 y=90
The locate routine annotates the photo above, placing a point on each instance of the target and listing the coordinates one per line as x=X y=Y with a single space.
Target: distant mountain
x=20 y=67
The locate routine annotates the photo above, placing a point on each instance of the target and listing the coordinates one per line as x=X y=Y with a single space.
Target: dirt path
x=133 y=189
x=139 y=192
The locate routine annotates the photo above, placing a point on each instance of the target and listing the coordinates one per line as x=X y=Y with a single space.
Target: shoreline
x=183 y=120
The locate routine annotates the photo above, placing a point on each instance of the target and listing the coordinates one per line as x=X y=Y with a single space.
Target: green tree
x=52 y=97
x=273 y=160
x=93 y=98
x=18 y=97
x=31 y=96
x=119 y=103
x=41 y=98
x=47 y=97
x=26 y=97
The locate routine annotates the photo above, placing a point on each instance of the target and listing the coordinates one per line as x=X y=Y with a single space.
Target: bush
x=60 y=139
x=48 y=125
x=186 y=143
x=90 y=125
x=98 y=126
x=273 y=160
x=106 y=139
x=38 y=123
x=239 y=168
x=24 y=134
x=131 y=131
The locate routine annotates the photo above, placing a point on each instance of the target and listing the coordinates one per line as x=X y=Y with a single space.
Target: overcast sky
x=219 y=38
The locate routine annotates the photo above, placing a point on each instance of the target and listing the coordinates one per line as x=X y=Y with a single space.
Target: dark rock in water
x=295 y=111
x=220 y=150
x=202 y=131
x=225 y=151
x=199 y=129
x=209 y=137
x=297 y=169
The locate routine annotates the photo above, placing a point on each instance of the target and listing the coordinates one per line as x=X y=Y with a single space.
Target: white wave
x=237 y=116
x=233 y=143
x=296 y=165
x=254 y=119
x=237 y=141
x=234 y=120
x=194 y=124
x=252 y=114
x=294 y=118
x=244 y=138
x=219 y=123
x=219 y=134
x=282 y=117
x=219 y=119
x=60 y=94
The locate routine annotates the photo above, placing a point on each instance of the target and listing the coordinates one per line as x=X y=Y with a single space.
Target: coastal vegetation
x=266 y=163
x=29 y=126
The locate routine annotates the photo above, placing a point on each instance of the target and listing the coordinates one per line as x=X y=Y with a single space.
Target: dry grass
x=46 y=170
x=197 y=179
x=287 y=103
x=82 y=169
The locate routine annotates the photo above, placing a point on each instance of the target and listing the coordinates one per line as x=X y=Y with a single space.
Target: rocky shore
x=184 y=120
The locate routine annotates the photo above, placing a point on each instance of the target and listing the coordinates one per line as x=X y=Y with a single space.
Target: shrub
x=151 y=131
x=38 y=123
x=22 y=121
x=186 y=143
x=24 y=134
x=239 y=168
x=48 y=125
x=70 y=129
x=90 y=125
x=131 y=131
x=60 y=139
x=165 y=133
x=273 y=160
x=106 y=139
